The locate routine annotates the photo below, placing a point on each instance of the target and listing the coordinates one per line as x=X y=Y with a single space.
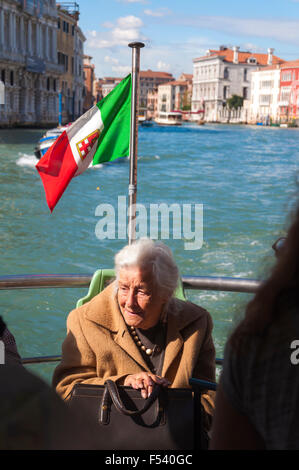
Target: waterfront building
x=222 y=73
x=97 y=90
x=89 y=80
x=108 y=83
x=148 y=83
x=149 y=80
x=28 y=62
x=172 y=96
x=70 y=40
x=152 y=103
x=289 y=92
x=265 y=92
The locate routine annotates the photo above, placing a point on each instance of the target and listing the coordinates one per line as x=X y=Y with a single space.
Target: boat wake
x=26 y=160
x=95 y=167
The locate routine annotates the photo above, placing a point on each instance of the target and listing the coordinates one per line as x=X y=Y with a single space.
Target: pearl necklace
x=136 y=338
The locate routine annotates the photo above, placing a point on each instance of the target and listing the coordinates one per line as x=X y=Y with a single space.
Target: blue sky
x=176 y=31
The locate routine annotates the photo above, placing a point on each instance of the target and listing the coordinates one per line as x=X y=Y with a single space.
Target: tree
x=235 y=102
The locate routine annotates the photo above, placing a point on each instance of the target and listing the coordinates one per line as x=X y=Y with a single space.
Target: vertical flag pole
x=136 y=46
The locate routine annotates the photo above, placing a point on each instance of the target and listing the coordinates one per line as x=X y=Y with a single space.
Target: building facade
x=149 y=80
x=28 y=62
x=108 y=83
x=289 y=92
x=222 y=73
x=89 y=79
x=265 y=93
x=171 y=96
x=70 y=40
x=152 y=104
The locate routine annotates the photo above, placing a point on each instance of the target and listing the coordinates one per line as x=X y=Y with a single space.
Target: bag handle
x=113 y=391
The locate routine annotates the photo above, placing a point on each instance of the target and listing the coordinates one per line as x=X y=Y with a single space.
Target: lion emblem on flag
x=85 y=145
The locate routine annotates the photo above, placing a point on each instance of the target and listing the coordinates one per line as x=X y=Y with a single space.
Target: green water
x=245 y=177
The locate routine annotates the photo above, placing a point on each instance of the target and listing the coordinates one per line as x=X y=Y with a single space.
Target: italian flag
x=100 y=135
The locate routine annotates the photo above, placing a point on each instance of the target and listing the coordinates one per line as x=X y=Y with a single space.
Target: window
x=251 y=60
x=286 y=76
x=226 y=73
x=225 y=92
x=245 y=75
x=266 y=84
x=65 y=27
x=285 y=93
x=245 y=92
x=11 y=78
x=63 y=60
x=3 y=76
x=265 y=99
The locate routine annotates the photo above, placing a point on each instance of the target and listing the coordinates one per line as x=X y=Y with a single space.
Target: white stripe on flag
x=90 y=122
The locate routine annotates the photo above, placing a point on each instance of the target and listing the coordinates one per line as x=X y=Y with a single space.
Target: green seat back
x=102 y=277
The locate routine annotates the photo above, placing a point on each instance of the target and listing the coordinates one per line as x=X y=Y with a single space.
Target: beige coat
x=98 y=346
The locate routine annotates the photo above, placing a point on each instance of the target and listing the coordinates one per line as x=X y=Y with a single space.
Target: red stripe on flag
x=56 y=168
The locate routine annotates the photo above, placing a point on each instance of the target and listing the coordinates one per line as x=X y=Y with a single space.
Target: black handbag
x=167 y=420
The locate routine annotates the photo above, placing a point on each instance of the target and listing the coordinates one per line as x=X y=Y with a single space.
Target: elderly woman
x=136 y=333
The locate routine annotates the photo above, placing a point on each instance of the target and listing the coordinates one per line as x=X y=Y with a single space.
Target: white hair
x=147 y=254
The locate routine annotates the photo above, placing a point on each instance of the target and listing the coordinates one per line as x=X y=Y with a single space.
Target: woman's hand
x=145 y=381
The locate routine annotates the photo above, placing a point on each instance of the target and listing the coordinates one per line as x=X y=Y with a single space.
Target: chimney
x=236 y=54
x=270 y=56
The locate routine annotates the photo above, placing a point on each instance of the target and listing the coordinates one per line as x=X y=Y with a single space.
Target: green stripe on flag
x=114 y=140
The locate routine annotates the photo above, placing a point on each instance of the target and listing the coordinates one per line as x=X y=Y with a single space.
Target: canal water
x=245 y=178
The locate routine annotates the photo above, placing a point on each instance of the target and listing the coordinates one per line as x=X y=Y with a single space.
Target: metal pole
x=136 y=46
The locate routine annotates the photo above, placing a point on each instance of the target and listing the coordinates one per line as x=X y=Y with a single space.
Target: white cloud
x=110 y=60
x=157 y=13
x=107 y=24
x=280 y=29
x=122 y=69
x=163 y=66
x=126 y=29
x=129 y=22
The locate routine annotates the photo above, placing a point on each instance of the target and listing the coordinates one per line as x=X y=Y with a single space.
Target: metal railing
x=42 y=281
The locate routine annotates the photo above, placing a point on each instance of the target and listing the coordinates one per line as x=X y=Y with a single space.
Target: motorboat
x=169 y=119
x=47 y=140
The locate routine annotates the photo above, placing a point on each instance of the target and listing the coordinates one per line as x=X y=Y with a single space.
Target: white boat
x=169 y=119
x=47 y=140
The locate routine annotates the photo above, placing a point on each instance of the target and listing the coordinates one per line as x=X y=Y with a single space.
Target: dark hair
x=263 y=308
x=2 y=326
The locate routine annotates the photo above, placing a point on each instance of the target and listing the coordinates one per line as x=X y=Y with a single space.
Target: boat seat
x=102 y=277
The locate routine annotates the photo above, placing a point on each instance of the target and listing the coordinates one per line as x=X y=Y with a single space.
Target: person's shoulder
x=187 y=312
x=98 y=309
x=189 y=307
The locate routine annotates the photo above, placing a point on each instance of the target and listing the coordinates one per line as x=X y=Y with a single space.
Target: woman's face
x=140 y=305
